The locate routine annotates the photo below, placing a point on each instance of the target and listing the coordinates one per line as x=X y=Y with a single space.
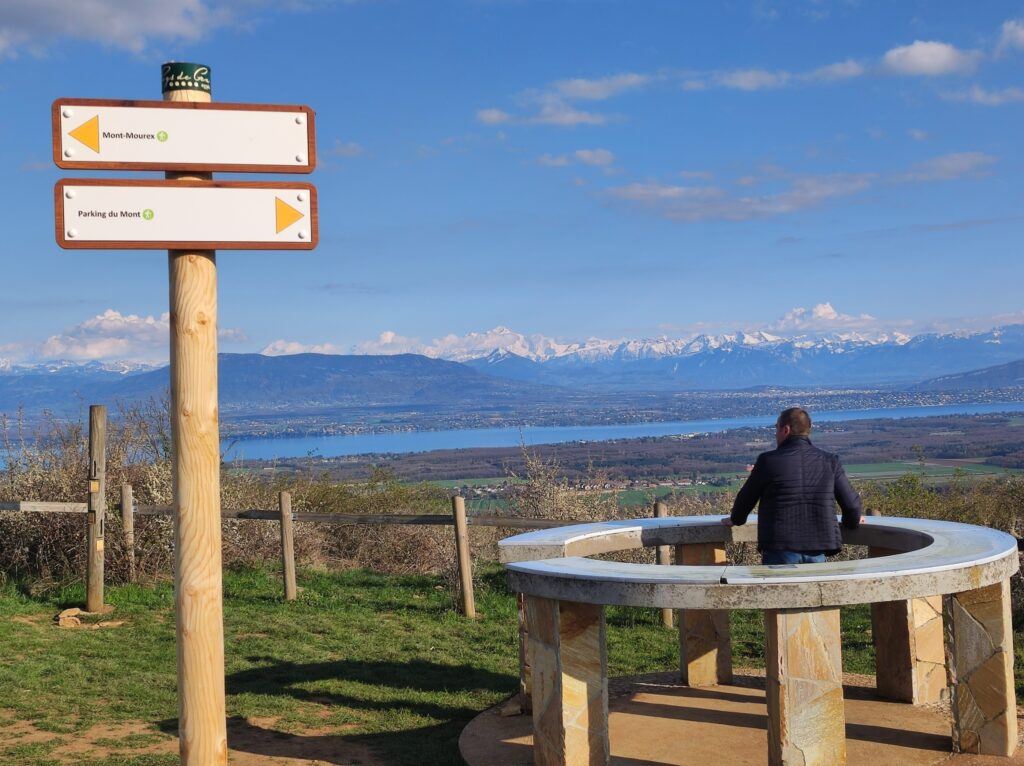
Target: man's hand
x=727 y=521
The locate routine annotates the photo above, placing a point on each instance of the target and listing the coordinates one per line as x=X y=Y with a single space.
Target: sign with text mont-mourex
x=182 y=215
x=93 y=134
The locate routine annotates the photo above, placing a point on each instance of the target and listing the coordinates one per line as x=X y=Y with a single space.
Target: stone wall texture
x=804 y=685
x=979 y=649
x=570 y=682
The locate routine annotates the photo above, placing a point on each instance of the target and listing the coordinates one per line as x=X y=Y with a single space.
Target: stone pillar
x=570 y=682
x=910 y=660
x=804 y=686
x=979 y=647
x=525 y=669
x=705 y=649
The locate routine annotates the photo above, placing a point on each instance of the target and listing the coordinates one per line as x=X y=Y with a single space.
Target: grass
x=382 y=660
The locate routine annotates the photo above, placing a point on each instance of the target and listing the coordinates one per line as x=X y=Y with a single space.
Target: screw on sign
x=191 y=216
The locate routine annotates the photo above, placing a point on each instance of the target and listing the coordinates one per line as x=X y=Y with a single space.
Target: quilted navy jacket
x=798 y=486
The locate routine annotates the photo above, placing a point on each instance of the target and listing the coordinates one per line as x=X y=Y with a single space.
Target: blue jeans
x=792 y=557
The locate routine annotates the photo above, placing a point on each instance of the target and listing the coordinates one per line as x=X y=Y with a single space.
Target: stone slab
x=656 y=720
x=960 y=557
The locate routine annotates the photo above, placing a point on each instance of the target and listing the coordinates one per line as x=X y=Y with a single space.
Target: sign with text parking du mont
x=183 y=136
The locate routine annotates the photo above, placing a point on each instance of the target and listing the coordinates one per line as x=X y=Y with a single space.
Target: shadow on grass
x=424 y=746
x=402 y=687
x=415 y=678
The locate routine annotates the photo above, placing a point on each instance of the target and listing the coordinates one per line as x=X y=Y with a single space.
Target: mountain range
x=743 y=360
x=547 y=373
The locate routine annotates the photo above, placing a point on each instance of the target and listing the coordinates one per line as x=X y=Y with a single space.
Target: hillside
x=252 y=383
x=1000 y=376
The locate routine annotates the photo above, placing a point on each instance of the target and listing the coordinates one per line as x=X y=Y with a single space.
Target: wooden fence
x=283 y=514
x=95 y=511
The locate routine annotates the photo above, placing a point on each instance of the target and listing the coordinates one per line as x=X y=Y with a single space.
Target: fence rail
x=129 y=510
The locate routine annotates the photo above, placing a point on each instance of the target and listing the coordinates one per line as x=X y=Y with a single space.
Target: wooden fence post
x=462 y=551
x=128 y=527
x=284 y=503
x=664 y=557
x=97 y=507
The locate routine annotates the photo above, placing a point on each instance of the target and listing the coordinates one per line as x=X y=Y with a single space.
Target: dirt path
x=252 y=742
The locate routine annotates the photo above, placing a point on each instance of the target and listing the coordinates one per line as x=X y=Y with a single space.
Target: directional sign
x=168 y=135
x=176 y=215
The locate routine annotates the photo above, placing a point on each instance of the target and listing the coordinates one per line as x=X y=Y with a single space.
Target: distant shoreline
x=413 y=441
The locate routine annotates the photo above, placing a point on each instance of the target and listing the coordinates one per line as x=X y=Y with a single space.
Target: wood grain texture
x=463 y=555
x=97 y=508
x=287 y=546
x=128 y=527
x=663 y=556
x=195 y=434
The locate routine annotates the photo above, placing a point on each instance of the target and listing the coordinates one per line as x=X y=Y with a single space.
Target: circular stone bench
x=939 y=593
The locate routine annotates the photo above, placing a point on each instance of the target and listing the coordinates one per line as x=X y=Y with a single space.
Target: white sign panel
x=158 y=135
x=202 y=215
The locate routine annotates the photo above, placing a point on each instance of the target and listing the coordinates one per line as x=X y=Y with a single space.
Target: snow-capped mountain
x=744 y=359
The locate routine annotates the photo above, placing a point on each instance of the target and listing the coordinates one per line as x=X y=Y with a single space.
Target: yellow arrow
x=88 y=133
x=286 y=215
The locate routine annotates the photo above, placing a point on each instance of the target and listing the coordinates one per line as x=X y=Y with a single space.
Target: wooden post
x=195 y=434
x=284 y=502
x=664 y=558
x=97 y=507
x=462 y=551
x=128 y=527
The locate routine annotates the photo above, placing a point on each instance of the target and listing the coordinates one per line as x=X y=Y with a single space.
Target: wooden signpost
x=191 y=216
x=206 y=215
x=99 y=134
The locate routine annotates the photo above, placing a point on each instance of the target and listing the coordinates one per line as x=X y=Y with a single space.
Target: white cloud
x=290 y=347
x=752 y=79
x=111 y=335
x=601 y=158
x=559 y=113
x=822 y=318
x=35 y=25
x=346 y=149
x=929 y=58
x=389 y=342
x=1012 y=36
x=948 y=167
x=841 y=70
x=554 y=161
x=493 y=116
x=688 y=204
x=979 y=95
x=602 y=88
x=595 y=157
x=917 y=134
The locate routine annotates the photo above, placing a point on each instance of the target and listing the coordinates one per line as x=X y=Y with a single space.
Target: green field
x=315 y=664
x=360 y=660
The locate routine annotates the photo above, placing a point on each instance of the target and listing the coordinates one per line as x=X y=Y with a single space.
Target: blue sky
x=567 y=168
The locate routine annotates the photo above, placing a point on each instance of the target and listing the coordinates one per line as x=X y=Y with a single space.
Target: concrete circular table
x=940 y=599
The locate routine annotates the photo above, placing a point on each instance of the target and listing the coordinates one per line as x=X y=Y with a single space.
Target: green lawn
x=380 y=660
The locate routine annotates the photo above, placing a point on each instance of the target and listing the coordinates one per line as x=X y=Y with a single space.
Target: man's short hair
x=797 y=419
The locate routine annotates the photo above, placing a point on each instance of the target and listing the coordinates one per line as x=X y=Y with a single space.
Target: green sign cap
x=178 y=75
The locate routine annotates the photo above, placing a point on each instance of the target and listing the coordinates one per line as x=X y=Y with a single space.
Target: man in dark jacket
x=797 y=486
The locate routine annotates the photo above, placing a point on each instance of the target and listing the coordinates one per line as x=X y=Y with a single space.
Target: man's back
x=797 y=486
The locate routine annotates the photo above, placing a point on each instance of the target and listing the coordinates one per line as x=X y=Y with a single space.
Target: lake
x=422 y=441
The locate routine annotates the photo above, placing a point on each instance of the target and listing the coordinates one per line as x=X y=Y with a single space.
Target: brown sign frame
x=71 y=244
x=60 y=162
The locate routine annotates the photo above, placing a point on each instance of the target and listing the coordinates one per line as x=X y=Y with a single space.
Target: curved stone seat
x=938 y=557
x=940 y=605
